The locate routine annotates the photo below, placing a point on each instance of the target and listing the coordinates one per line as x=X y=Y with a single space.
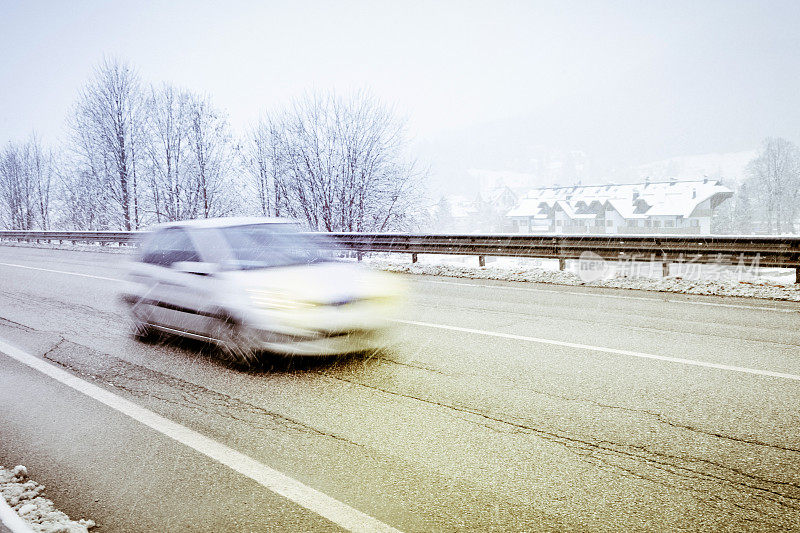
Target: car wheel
x=235 y=344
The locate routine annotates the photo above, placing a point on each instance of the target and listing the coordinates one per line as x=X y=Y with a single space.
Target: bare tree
x=212 y=155
x=43 y=169
x=166 y=145
x=15 y=190
x=443 y=216
x=337 y=163
x=774 y=177
x=84 y=205
x=105 y=125
x=167 y=154
x=26 y=176
x=735 y=216
x=262 y=158
x=190 y=156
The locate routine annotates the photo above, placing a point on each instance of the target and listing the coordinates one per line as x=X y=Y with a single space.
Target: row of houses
x=649 y=207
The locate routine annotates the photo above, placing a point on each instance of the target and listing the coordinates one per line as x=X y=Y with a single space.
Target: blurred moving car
x=256 y=285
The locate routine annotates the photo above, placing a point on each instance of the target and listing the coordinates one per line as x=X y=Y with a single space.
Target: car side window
x=169 y=246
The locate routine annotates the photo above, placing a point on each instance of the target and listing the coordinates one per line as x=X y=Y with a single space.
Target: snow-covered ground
x=717 y=280
x=25 y=497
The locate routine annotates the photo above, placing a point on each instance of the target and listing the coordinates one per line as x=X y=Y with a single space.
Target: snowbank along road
x=492 y=407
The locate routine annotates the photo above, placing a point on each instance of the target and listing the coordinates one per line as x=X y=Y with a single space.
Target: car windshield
x=272 y=245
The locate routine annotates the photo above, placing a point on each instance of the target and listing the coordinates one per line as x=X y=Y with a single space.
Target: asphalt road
x=495 y=406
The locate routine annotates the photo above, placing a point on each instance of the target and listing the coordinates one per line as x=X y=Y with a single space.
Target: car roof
x=223 y=222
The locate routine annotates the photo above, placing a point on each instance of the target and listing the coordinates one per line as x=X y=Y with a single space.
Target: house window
x=695 y=223
x=656 y=223
x=669 y=223
x=608 y=223
x=647 y=223
x=631 y=223
x=558 y=222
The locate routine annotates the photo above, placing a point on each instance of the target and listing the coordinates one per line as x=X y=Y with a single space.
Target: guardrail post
x=562 y=263
x=413 y=258
x=482 y=260
x=797 y=275
x=359 y=256
x=665 y=269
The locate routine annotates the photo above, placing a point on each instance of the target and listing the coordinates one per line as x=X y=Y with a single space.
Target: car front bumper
x=319 y=344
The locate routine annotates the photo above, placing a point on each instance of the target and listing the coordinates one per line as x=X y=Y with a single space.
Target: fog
x=399 y=265
x=498 y=87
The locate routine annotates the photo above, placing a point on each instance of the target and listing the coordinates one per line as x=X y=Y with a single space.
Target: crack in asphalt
x=15 y=325
x=709 y=498
x=142 y=382
x=653 y=414
x=657 y=460
x=53 y=348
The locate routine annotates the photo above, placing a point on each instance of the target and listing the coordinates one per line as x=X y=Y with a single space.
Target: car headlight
x=266 y=299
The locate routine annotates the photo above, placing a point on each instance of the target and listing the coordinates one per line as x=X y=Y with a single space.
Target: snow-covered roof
x=566 y=207
x=666 y=198
x=625 y=209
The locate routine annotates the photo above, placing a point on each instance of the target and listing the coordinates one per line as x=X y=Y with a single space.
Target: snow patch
x=25 y=497
x=751 y=288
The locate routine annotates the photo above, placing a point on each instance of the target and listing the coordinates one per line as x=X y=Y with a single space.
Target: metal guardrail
x=102 y=237
x=771 y=251
x=744 y=251
x=766 y=251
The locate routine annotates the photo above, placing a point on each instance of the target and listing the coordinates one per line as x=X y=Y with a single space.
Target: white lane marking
x=641 y=355
x=12 y=520
x=617 y=296
x=337 y=512
x=59 y=272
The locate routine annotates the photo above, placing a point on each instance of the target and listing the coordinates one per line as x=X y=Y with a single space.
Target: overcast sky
x=627 y=82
